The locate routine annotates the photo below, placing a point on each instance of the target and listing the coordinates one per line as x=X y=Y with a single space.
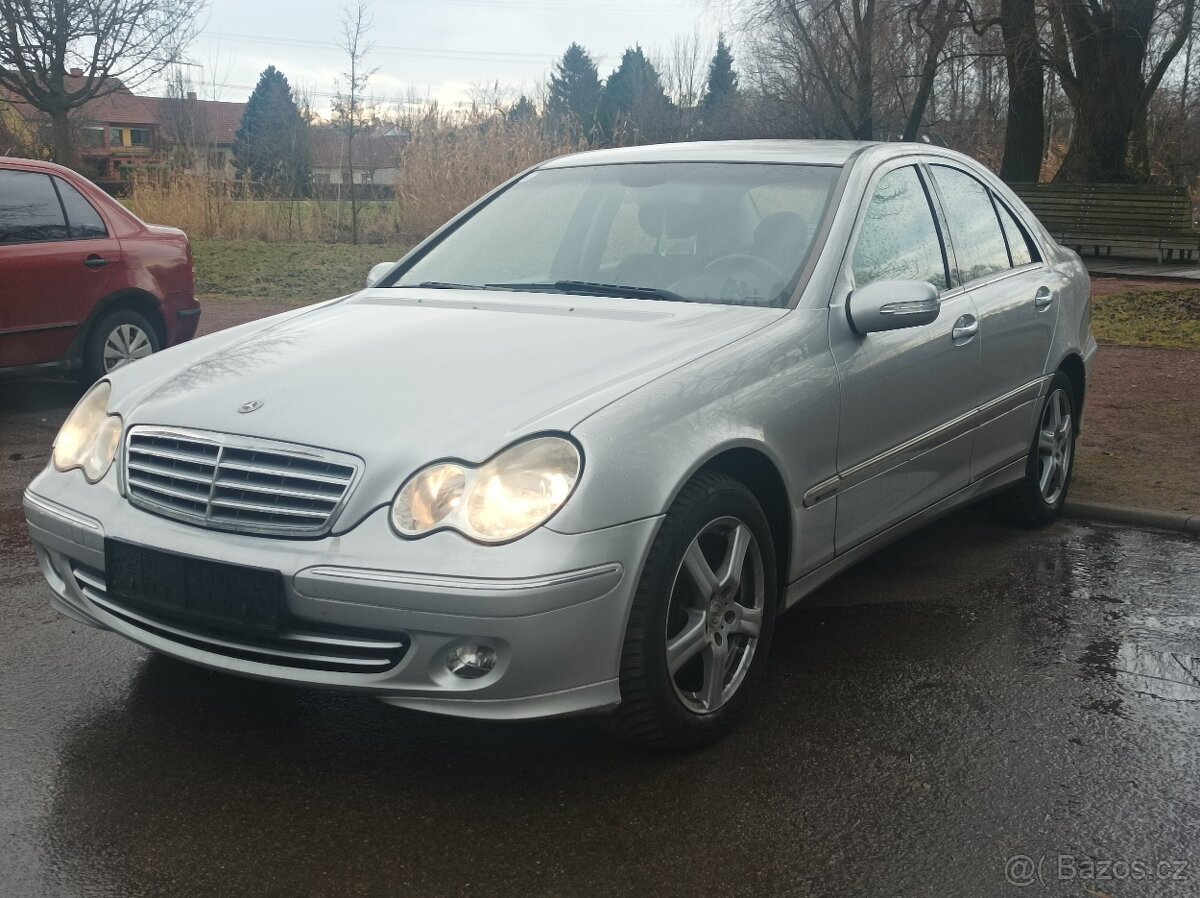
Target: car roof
x=35 y=165
x=811 y=152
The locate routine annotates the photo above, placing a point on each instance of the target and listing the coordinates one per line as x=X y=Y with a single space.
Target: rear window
x=29 y=208
x=979 y=242
x=82 y=217
x=1020 y=246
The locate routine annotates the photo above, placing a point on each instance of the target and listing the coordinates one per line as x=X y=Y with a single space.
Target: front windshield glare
x=734 y=233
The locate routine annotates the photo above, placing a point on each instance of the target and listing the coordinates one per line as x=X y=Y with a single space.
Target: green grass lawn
x=1165 y=318
x=251 y=269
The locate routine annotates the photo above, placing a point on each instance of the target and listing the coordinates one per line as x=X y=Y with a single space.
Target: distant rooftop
x=120 y=106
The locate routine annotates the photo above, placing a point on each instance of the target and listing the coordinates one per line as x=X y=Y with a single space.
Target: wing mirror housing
x=891 y=305
x=375 y=275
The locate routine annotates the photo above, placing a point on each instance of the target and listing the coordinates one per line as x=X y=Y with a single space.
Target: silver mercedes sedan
x=577 y=450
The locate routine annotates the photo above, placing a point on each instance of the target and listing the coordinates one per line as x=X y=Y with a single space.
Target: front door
x=55 y=265
x=906 y=395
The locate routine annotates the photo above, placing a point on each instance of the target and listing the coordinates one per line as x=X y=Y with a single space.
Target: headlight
x=89 y=437
x=503 y=499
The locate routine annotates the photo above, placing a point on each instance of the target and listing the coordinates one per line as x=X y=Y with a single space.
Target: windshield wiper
x=592 y=288
x=442 y=285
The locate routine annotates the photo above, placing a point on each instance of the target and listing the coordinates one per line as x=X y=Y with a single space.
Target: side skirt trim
x=989 y=483
x=964 y=423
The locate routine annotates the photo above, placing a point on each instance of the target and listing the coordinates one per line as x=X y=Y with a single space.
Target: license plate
x=193 y=590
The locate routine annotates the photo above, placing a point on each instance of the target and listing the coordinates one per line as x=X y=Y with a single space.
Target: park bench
x=1108 y=215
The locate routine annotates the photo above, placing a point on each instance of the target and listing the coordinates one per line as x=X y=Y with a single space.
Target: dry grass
x=1165 y=318
x=212 y=209
x=448 y=163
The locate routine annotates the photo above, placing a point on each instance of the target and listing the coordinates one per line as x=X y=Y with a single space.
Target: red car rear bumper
x=181 y=315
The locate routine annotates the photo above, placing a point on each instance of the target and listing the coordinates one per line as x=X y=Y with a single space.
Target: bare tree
x=682 y=68
x=490 y=96
x=1101 y=52
x=830 y=43
x=1024 y=134
x=185 y=127
x=924 y=27
x=112 y=42
x=349 y=109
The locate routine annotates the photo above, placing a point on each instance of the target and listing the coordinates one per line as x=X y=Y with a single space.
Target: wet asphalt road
x=973 y=694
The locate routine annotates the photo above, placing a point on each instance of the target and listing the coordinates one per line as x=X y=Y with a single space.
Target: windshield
x=705 y=232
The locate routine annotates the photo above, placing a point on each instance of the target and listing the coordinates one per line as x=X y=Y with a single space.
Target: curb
x=1176 y=522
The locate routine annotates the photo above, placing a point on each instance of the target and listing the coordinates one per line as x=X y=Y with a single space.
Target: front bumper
x=553 y=606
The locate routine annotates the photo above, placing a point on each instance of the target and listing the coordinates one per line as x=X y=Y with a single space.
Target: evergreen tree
x=634 y=100
x=574 y=91
x=522 y=111
x=271 y=149
x=719 y=104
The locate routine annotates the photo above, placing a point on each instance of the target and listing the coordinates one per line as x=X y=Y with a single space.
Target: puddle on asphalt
x=1167 y=675
x=1171 y=676
x=1140 y=581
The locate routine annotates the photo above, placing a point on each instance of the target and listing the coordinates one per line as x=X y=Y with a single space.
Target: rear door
x=908 y=394
x=56 y=262
x=1016 y=296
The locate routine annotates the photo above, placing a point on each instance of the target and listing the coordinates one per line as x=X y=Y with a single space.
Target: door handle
x=93 y=261
x=1043 y=297
x=965 y=327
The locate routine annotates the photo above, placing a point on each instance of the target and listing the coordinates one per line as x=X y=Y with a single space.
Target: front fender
x=775 y=391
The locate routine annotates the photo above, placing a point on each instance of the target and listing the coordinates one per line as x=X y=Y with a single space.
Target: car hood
x=402 y=378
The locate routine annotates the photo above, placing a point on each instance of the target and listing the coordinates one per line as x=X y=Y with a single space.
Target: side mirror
x=378 y=271
x=891 y=305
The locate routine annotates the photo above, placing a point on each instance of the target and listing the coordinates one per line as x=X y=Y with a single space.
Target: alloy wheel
x=1055 y=445
x=714 y=615
x=126 y=343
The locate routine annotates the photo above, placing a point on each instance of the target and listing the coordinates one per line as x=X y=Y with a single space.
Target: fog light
x=471 y=661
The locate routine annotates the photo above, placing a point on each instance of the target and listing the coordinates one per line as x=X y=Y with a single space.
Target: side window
x=1020 y=246
x=29 y=208
x=85 y=222
x=899 y=240
x=978 y=241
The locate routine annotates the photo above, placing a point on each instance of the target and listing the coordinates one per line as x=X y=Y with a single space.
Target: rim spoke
x=749 y=622
x=689 y=642
x=712 y=693
x=1046 y=439
x=697 y=567
x=730 y=575
x=140 y=346
x=1047 y=475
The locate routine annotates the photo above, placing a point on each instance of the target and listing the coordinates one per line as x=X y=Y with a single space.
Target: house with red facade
x=121 y=131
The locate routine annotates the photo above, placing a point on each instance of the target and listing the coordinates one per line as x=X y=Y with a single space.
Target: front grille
x=300 y=645
x=237 y=483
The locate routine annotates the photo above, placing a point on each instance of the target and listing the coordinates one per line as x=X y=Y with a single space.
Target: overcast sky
x=435 y=47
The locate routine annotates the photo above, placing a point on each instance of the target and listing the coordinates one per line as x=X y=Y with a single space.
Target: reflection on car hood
x=409 y=376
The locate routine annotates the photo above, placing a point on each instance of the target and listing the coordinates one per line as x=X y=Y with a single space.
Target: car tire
x=680 y=631
x=117 y=338
x=1038 y=497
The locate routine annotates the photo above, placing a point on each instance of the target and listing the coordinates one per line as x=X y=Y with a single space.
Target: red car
x=84 y=283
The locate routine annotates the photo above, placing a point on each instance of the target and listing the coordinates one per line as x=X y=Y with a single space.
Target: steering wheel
x=737 y=263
